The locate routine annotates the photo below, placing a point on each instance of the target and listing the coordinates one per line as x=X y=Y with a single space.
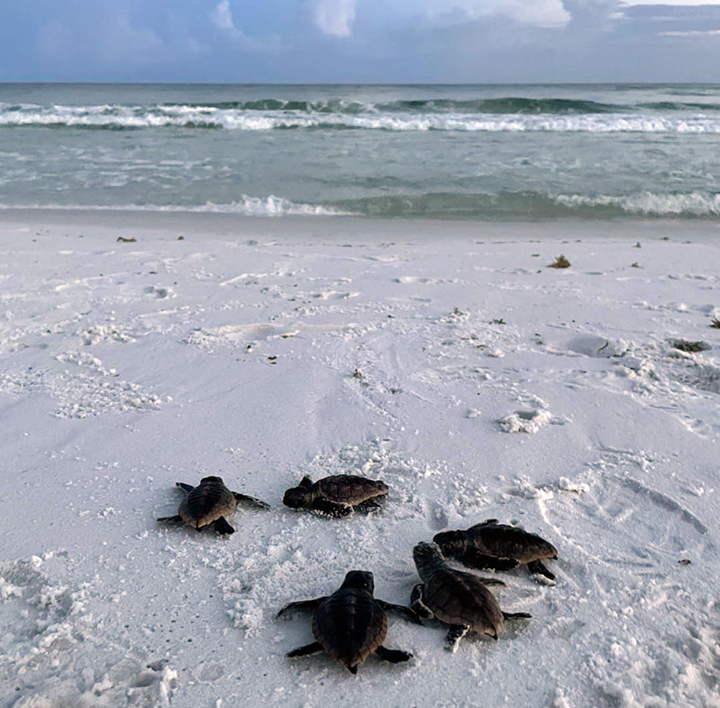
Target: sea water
x=520 y=152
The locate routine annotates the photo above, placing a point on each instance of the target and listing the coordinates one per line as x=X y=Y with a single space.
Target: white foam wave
x=138 y=117
x=647 y=203
x=271 y=206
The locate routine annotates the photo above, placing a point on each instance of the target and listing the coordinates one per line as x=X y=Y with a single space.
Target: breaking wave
x=486 y=115
x=504 y=206
x=245 y=206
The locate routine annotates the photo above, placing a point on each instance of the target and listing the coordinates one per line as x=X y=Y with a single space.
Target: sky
x=365 y=41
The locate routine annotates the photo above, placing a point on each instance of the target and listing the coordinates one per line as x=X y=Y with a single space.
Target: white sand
x=491 y=386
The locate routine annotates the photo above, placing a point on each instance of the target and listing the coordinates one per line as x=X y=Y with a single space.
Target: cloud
x=687 y=3
x=113 y=42
x=222 y=18
x=691 y=33
x=334 y=17
x=538 y=13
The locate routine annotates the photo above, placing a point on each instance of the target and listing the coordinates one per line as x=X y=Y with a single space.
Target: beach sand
x=444 y=358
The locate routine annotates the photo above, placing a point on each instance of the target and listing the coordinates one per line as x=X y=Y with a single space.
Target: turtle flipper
x=475 y=559
x=186 y=487
x=352 y=669
x=491 y=581
x=222 y=526
x=416 y=602
x=251 y=500
x=331 y=508
x=369 y=505
x=537 y=566
x=394 y=656
x=307 y=650
x=409 y=613
x=301 y=605
x=456 y=633
x=173 y=519
x=517 y=615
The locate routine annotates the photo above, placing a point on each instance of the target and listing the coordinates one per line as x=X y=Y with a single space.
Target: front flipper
x=539 y=567
x=491 y=581
x=330 y=508
x=173 y=519
x=456 y=633
x=517 y=615
x=186 y=487
x=301 y=605
x=408 y=612
x=251 y=500
x=394 y=656
x=474 y=559
x=222 y=526
x=307 y=650
x=417 y=604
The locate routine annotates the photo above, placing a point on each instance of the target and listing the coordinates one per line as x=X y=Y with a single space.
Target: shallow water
x=470 y=152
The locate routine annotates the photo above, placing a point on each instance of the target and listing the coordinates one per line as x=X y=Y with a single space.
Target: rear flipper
x=222 y=526
x=251 y=500
x=517 y=615
x=307 y=650
x=394 y=656
x=331 y=508
x=186 y=487
x=369 y=505
x=474 y=559
x=539 y=567
x=454 y=636
x=172 y=519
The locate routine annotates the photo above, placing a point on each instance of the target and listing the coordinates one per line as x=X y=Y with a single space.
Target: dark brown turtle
x=209 y=503
x=459 y=599
x=497 y=546
x=350 y=624
x=337 y=495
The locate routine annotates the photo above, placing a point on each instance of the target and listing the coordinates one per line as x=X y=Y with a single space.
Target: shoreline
x=370 y=229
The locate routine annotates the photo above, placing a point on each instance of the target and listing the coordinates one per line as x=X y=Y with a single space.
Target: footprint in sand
x=159 y=293
x=436 y=516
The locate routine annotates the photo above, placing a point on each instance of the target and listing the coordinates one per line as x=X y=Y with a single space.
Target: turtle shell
x=206 y=503
x=349 y=489
x=349 y=624
x=456 y=597
x=505 y=541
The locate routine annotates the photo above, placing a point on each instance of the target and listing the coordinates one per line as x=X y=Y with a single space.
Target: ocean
x=486 y=153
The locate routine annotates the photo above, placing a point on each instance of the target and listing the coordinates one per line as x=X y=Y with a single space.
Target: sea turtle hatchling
x=459 y=599
x=209 y=503
x=337 y=495
x=498 y=546
x=350 y=624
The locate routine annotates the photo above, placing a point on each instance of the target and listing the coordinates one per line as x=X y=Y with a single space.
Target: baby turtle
x=497 y=546
x=337 y=495
x=350 y=624
x=459 y=599
x=209 y=503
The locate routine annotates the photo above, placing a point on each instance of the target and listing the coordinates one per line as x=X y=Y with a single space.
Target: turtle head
x=360 y=579
x=452 y=543
x=298 y=497
x=211 y=480
x=425 y=554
